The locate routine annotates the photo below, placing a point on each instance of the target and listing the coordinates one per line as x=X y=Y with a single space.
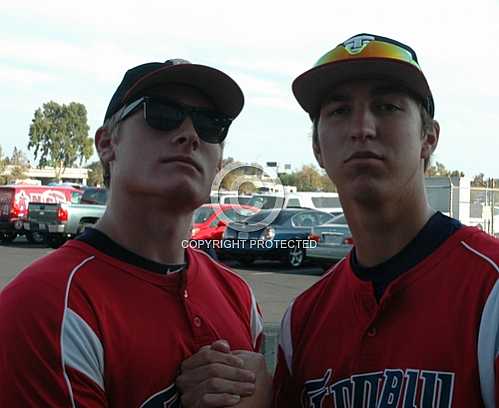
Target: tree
x=21 y=164
x=327 y=184
x=227 y=161
x=59 y=136
x=309 y=179
x=18 y=166
x=288 y=179
x=95 y=174
x=438 y=169
x=3 y=165
x=479 y=181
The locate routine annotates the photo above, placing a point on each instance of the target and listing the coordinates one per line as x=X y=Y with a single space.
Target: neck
x=382 y=231
x=147 y=228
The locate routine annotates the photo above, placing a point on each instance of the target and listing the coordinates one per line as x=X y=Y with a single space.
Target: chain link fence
x=476 y=206
x=484 y=209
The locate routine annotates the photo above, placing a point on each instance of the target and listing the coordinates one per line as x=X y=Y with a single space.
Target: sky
x=69 y=51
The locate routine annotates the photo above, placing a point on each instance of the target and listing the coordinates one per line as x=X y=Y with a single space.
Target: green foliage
x=438 y=169
x=20 y=164
x=309 y=178
x=3 y=179
x=59 y=136
x=288 y=179
x=479 y=181
x=95 y=174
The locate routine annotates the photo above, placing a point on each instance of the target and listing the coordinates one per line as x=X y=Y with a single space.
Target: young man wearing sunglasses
x=411 y=317
x=107 y=319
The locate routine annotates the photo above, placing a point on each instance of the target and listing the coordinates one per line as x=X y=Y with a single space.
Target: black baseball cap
x=363 y=56
x=223 y=91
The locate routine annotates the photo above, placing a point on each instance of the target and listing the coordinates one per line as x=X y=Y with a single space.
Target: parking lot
x=274 y=284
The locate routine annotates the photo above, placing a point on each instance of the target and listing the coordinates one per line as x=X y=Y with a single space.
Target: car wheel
x=7 y=237
x=246 y=260
x=296 y=257
x=35 y=237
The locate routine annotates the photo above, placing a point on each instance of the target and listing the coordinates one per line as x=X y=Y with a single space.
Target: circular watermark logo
x=248 y=185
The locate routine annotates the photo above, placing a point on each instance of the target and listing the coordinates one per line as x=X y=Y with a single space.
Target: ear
x=104 y=144
x=317 y=153
x=430 y=141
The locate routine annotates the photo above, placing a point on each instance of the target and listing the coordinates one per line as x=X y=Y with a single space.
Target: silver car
x=334 y=242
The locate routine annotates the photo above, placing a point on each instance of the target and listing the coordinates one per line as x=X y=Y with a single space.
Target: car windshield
x=263 y=214
x=339 y=219
x=94 y=196
x=326 y=202
x=202 y=214
x=238 y=200
x=266 y=202
x=76 y=197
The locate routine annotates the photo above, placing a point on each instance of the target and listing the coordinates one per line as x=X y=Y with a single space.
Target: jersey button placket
x=197 y=321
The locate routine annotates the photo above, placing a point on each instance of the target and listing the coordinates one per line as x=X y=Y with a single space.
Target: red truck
x=14 y=201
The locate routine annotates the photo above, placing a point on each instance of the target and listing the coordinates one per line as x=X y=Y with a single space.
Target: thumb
x=221 y=345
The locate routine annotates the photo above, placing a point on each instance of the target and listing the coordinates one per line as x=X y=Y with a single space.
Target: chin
x=366 y=190
x=178 y=193
x=367 y=197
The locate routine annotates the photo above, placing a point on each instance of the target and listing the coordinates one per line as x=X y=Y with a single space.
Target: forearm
x=262 y=398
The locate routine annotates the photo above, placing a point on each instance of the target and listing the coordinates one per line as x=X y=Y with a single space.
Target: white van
x=229 y=197
x=323 y=201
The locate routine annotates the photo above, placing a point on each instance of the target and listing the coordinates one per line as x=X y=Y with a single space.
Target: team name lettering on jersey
x=391 y=388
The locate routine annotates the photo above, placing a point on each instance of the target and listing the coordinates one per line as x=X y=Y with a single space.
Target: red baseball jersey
x=79 y=328
x=431 y=341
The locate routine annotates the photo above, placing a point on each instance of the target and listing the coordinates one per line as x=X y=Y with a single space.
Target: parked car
x=210 y=220
x=14 y=204
x=229 y=198
x=285 y=238
x=323 y=201
x=334 y=242
x=62 y=221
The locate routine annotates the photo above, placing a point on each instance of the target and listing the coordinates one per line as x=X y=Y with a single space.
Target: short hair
x=426 y=126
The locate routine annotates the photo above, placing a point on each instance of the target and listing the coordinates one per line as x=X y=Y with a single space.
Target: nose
x=186 y=134
x=362 y=124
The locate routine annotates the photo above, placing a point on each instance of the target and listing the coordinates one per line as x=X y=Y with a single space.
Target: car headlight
x=268 y=233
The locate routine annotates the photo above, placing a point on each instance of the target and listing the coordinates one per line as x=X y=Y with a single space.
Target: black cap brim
x=311 y=87
x=223 y=91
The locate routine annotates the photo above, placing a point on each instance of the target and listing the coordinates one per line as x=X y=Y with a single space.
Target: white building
x=46 y=175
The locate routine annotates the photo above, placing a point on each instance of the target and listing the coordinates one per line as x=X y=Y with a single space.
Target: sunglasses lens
x=212 y=127
x=161 y=116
